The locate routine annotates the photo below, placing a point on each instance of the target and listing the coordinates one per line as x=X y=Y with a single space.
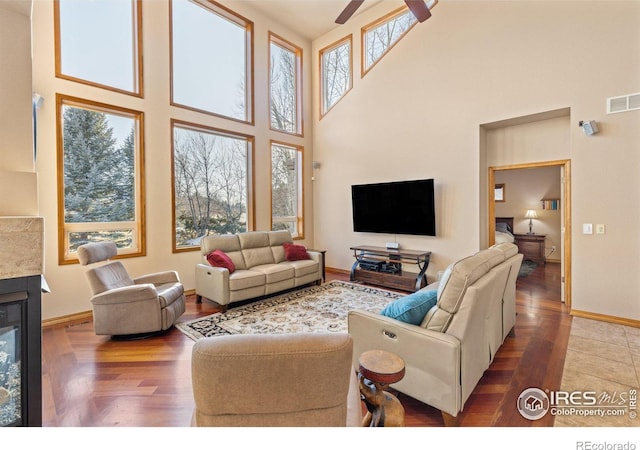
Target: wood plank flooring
x=91 y=380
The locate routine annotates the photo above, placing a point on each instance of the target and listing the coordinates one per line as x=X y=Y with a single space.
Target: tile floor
x=603 y=358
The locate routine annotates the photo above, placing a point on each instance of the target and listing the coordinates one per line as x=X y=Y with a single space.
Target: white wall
x=70 y=290
x=18 y=180
x=418 y=114
x=16 y=145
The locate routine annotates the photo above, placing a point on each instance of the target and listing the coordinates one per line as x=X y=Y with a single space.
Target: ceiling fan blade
x=419 y=9
x=348 y=11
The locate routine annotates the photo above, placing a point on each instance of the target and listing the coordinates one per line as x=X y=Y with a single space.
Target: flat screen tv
x=401 y=207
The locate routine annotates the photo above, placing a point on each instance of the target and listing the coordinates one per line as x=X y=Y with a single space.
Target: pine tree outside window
x=286 y=189
x=100 y=184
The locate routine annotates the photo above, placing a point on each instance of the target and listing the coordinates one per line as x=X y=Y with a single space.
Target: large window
x=285 y=74
x=100 y=184
x=98 y=43
x=381 y=35
x=211 y=183
x=286 y=189
x=335 y=73
x=211 y=58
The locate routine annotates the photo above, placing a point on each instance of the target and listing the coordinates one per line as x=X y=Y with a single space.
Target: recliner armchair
x=125 y=306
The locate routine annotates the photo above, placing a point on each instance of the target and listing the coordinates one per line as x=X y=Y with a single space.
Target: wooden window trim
x=321 y=52
x=301 y=178
x=139 y=224
x=251 y=208
x=281 y=42
x=223 y=11
x=386 y=18
x=139 y=81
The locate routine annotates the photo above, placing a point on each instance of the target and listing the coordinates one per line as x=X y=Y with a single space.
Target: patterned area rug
x=309 y=310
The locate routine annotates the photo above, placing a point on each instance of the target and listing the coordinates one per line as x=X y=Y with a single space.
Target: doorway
x=562 y=205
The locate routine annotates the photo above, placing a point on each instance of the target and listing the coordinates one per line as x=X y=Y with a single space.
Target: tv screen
x=401 y=207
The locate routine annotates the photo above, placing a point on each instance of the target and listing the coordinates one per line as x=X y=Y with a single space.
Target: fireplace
x=20 y=352
x=21 y=284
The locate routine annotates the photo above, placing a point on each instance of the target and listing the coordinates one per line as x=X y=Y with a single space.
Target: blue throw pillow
x=412 y=308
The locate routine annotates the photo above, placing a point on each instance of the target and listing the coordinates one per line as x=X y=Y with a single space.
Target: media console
x=383 y=266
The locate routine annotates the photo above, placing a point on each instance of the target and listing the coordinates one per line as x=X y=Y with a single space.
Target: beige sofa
x=447 y=354
x=260 y=267
x=268 y=380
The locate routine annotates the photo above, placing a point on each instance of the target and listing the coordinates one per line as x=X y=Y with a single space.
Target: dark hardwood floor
x=91 y=380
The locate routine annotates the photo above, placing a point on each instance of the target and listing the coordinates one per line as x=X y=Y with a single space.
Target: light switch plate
x=600 y=228
x=587 y=228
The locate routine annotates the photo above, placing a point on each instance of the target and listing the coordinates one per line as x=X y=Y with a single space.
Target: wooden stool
x=378 y=369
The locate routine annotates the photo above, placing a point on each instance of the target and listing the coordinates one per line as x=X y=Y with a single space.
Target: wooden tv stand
x=383 y=267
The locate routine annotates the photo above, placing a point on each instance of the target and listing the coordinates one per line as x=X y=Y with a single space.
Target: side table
x=532 y=246
x=377 y=369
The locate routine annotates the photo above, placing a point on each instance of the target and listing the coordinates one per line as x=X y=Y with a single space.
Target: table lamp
x=531 y=214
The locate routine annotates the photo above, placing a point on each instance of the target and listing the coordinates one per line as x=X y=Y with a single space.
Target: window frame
x=199 y=127
x=230 y=15
x=347 y=39
x=299 y=188
x=139 y=225
x=137 y=48
x=375 y=24
x=274 y=39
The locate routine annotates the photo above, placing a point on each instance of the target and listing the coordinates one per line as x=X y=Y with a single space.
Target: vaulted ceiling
x=310 y=18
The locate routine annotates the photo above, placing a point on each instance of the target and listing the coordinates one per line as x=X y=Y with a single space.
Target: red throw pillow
x=218 y=258
x=293 y=252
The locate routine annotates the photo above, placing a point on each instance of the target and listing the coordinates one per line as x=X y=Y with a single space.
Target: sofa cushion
x=276 y=239
x=413 y=307
x=255 y=248
x=218 y=258
x=454 y=283
x=228 y=243
x=294 y=252
x=275 y=272
x=245 y=279
x=302 y=267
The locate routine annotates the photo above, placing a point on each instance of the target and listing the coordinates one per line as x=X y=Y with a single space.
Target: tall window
x=335 y=73
x=98 y=43
x=100 y=184
x=285 y=75
x=286 y=189
x=211 y=184
x=381 y=35
x=211 y=58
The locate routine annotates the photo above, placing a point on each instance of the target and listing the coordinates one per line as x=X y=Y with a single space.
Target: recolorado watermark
x=589 y=445
x=534 y=404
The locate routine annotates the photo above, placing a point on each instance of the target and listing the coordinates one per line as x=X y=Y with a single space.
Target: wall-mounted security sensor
x=589 y=127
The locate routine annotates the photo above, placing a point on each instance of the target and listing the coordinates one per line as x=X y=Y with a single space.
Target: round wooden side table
x=378 y=369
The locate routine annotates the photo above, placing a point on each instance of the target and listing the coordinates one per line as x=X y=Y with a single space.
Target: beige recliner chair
x=281 y=380
x=123 y=306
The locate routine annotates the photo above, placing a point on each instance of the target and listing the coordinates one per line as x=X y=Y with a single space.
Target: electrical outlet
x=553 y=248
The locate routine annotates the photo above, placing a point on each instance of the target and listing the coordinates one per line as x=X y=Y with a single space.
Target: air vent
x=623 y=103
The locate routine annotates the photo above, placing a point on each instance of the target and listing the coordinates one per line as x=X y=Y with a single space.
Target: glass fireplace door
x=12 y=336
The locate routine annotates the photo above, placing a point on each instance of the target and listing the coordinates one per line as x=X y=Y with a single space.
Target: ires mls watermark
x=534 y=403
